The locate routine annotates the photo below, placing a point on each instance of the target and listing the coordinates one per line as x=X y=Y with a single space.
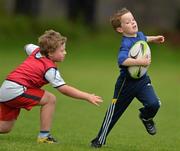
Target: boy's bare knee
x=6 y=126
x=4 y=130
x=48 y=98
x=52 y=98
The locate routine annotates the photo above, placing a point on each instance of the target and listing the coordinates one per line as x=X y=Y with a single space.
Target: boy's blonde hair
x=116 y=18
x=50 y=41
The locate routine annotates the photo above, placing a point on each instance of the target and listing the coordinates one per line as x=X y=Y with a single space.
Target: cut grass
x=91 y=65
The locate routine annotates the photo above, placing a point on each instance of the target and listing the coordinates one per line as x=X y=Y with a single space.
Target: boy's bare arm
x=78 y=94
x=155 y=39
x=144 y=61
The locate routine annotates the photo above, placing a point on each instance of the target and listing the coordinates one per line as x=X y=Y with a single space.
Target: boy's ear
x=119 y=30
x=49 y=54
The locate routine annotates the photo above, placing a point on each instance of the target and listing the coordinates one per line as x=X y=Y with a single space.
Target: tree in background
x=82 y=8
x=178 y=20
x=27 y=7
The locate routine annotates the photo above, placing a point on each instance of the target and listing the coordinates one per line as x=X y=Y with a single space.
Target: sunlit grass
x=91 y=65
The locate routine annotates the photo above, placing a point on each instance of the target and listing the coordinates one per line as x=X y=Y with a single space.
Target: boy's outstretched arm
x=155 y=39
x=78 y=94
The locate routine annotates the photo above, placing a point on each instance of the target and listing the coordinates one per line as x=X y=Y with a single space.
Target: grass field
x=90 y=65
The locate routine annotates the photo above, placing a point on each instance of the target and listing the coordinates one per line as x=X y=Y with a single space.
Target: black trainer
x=149 y=125
x=95 y=143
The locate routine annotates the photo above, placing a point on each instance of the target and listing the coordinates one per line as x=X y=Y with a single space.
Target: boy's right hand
x=145 y=61
x=94 y=99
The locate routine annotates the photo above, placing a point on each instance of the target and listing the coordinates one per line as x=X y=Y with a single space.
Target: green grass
x=90 y=65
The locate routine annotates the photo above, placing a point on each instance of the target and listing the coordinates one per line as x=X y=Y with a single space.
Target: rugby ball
x=138 y=50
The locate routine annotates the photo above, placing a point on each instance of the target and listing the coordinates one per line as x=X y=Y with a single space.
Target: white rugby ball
x=138 y=50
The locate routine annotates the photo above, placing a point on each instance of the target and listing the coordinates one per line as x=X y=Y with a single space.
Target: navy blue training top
x=126 y=44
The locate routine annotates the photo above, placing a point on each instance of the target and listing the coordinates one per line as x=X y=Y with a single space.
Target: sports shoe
x=149 y=125
x=95 y=143
x=49 y=139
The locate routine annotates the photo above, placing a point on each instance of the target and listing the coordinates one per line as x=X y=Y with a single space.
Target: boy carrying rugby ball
x=127 y=88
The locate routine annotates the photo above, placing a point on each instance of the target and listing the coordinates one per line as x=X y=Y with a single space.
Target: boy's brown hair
x=115 y=20
x=50 y=41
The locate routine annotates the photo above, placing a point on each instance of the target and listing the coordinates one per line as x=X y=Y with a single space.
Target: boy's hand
x=94 y=99
x=156 y=39
x=144 y=61
x=159 y=39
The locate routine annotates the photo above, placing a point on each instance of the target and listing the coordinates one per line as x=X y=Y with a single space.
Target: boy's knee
x=4 y=130
x=155 y=105
x=48 y=98
x=52 y=98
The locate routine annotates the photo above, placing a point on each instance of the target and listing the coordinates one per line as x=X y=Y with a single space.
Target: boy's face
x=128 y=25
x=59 y=54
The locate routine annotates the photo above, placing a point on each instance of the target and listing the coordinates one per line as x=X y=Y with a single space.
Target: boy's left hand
x=159 y=39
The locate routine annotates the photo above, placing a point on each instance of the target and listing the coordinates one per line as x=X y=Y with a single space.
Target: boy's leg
x=115 y=110
x=47 y=109
x=30 y=98
x=113 y=113
x=150 y=101
x=6 y=126
x=151 y=106
x=8 y=117
x=46 y=114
